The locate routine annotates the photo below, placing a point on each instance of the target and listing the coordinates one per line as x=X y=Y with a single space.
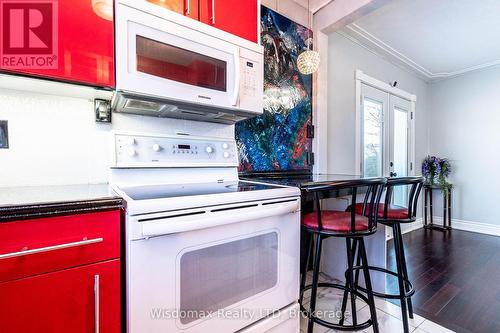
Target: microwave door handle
x=176 y=225
x=188 y=7
x=237 y=76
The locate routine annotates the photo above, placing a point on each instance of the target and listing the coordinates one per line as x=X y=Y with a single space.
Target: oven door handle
x=173 y=225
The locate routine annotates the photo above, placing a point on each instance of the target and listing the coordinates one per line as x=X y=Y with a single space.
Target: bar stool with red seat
x=393 y=216
x=351 y=226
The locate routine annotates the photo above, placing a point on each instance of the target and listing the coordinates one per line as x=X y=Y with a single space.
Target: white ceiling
x=314 y=5
x=434 y=38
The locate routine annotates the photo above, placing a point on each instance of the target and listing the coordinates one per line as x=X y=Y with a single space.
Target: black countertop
x=305 y=181
x=26 y=202
x=302 y=181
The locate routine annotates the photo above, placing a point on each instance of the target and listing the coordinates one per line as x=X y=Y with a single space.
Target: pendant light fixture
x=103 y=8
x=308 y=61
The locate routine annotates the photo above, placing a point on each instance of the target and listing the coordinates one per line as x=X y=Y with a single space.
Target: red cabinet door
x=187 y=8
x=73 y=300
x=234 y=16
x=85 y=39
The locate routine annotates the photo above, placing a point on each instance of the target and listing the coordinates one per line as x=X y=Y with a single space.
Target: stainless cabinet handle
x=96 y=303
x=213 y=12
x=188 y=7
x=50 y=248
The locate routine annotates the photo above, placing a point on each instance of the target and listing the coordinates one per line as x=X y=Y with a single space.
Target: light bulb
x=308 y=62
x=103 y=9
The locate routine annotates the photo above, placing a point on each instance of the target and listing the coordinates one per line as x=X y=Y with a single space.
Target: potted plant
x=436 y=170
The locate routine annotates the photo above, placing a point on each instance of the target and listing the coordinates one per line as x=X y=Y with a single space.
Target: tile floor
x=389 y=315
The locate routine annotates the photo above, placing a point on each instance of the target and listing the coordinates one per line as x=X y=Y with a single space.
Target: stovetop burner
x=148 y=192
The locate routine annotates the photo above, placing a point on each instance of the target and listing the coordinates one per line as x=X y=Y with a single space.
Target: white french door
x=400 y=144
x=385 y=136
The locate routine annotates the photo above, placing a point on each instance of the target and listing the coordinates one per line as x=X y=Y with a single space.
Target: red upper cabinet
x=234 y=16
x=188 y=8
x=82 y=35
x=238 y=17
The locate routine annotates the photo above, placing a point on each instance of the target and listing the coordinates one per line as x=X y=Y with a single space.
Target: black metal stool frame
x=406 y=289
x=375 y=188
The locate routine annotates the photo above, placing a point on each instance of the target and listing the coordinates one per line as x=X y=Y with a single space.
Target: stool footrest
x=330 y=325
x=407 y=282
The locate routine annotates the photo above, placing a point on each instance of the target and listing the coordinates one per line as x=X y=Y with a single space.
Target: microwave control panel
x=249 y=78
x=173 y=151
x=251 y=81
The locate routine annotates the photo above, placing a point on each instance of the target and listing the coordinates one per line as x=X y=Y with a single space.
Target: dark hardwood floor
x=456 y=276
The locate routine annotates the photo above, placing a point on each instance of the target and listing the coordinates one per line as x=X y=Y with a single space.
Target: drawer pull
x=50 y=248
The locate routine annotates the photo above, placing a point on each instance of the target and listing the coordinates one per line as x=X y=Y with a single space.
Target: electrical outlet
x=4 y=134
x=102 y=111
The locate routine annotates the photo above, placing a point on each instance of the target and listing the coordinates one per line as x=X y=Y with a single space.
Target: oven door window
x=215 y=277
x=181 y=65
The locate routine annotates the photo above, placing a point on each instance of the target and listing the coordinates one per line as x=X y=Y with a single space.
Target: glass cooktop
x=183 y=190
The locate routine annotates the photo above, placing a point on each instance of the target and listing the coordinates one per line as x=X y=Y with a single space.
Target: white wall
x=344 y=57
x=54 y=140
x=464 y=126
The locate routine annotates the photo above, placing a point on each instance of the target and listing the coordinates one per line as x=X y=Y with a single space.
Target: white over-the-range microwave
x=168 y=65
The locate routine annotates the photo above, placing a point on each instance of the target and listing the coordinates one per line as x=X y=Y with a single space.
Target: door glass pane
x=400 y=153
x=215 y=277
x=372 y=138
x=174 y=63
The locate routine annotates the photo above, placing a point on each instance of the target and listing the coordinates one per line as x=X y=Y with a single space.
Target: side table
x=428 y=211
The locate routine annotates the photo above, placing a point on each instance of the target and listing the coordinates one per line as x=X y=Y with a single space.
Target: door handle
x=188 y=7
x=237 y=76
x=213 y=12
x=393 y=174
x=96 y=303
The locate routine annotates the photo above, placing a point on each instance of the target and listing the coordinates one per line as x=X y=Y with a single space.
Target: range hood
x=127 y=102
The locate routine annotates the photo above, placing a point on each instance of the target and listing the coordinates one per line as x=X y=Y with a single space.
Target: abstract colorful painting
x=277 y=140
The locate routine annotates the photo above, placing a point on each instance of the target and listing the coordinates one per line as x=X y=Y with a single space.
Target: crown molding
x=362 y=37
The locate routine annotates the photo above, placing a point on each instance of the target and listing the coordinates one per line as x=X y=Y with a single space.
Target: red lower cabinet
x=78 y=300
x=61 y=274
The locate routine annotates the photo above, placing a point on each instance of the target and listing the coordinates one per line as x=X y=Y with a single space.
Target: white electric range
x=205 y=252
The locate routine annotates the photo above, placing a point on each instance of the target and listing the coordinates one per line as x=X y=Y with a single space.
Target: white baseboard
x=418 y=224
x=478 y=227
x=405 y=228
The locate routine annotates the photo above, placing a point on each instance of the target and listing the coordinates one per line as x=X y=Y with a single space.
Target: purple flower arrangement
x=433 y=167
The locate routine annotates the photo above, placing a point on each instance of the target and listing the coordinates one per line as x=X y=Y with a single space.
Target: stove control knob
x=156 y=147
x=131 y=152
x=225 y=145
x=131 y=141
x=209 y=150
x=226 y=154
